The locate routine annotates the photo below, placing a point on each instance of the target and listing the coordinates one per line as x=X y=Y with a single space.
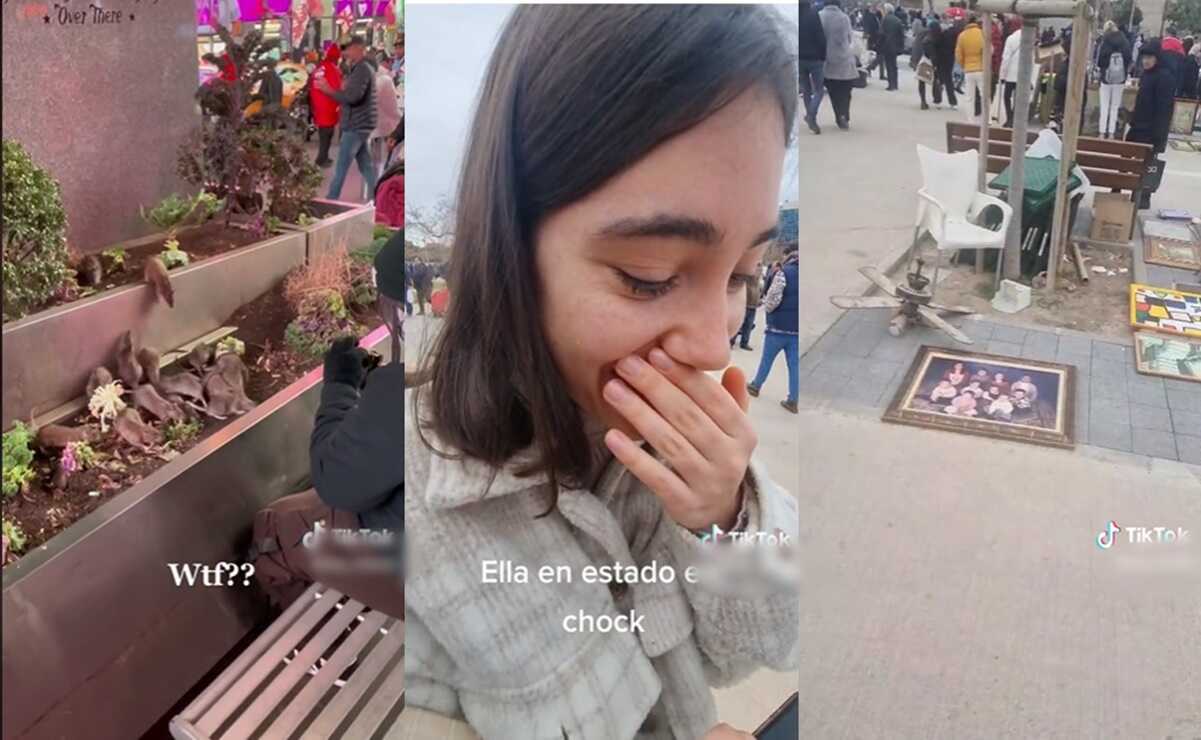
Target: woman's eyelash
x=647 y=288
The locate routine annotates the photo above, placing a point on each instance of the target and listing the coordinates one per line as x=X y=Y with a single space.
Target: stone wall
x=100 y=93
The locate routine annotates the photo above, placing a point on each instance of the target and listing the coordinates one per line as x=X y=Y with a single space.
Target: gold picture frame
x=1048 y=417
x=1172 y=253
x=1167 y=356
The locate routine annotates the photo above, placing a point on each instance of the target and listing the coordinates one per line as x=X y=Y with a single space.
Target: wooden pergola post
x=985 y=116
x=1030 y=10
x=1017 y=151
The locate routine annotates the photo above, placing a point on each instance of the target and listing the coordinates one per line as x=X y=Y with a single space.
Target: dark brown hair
x=572 y=96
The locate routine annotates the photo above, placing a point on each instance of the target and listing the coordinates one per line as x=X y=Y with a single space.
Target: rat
x=100 y=376
x=91 y=272
x=149 y=360
x=199 y=357
x=225 y=387
x=128 y=369
x=146 y=397
x=57 y=436
x=185 y=385
x=155 y=273
x=132 y=429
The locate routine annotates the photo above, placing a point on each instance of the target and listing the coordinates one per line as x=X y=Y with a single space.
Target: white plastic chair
x=948 y=205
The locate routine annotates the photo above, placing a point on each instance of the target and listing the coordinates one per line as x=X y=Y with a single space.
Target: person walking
x=812 y=62
x=325 y=109
x=1152 y=117
x=1190 y=80
x=357 y=98
x=1010 y=58
x=918 y=54
x=931 y=45
x=892 y=44
x=1113 y=60
x=748 y=321
x=969 y=53
x=840 y=70
x=782 y=335
x=387 y=115
x=871 y=33
x=940 y=44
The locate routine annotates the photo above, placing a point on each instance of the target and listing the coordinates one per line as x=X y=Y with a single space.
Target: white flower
x=106 y=403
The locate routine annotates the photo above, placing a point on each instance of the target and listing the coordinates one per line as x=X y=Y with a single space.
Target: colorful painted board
x=1172 y=253
x=1171 y=357
x=1165 y=310
x=988 y=395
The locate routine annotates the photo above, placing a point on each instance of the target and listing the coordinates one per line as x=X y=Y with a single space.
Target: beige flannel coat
x=498 y=654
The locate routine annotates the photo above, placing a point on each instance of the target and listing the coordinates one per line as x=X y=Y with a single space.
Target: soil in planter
x=42 y=513
x=202 y=242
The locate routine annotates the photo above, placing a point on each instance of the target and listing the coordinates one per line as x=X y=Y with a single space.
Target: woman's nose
x=701 y=338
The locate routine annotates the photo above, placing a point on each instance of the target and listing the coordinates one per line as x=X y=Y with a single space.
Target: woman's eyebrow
x=699 y=230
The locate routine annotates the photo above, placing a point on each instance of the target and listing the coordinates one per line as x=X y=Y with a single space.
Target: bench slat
x=252 y=653
x=287 y=679
x=1084 y=159
x=303 y=703
x=381 y=702
x=340 y=706
x=1125 y=149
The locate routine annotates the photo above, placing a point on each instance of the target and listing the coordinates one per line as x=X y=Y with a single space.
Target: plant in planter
x=231 y=344
x=34 y=232
x=322 y=318
x=258 y=163
x=14 y=538
x=174 y=213
x=181 y=432
x=114 y=259
x=18 y=459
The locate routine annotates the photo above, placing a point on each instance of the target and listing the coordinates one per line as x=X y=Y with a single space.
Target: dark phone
x=784 y=723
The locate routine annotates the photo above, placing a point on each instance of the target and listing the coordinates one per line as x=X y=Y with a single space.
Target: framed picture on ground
x=1170 y=357
x=1184 y=116
x=1178 y=230
x=1165 y=310
x=988 y=395
x=1172 y=253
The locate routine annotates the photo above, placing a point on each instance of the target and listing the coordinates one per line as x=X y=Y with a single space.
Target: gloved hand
x=344 y=362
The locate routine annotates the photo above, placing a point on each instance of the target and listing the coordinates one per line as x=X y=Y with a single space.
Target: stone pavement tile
x=1150 y=417
x=1184 y=386
x=826 y=343
x=820 y=384
x=1005 y=333
x=1184 y=401
x=1107 y=387
x=979 y=331
x=1107 y=369
x=1114 y=437
x=1075 y=344
x=1186 y=422
x=1043 y=340
x=1154 y=443
x=1082 y=362
x=843 y=324
x=1108 y=412
x=859 y=393
x=1082 y=415
x=834 y=364
x=1112 y=352
x=1147 y=391
x=861 y=340
x=876 y=372
x=1188 y=447
x=810 y=360
x=1007 y=349
x=895 y=349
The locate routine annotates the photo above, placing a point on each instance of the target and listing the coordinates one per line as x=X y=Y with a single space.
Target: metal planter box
x=342 y=224
x=48 y=356
x=98 y=640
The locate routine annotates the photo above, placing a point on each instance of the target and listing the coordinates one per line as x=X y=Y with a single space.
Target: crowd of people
x=356 y=92
x=839 y=51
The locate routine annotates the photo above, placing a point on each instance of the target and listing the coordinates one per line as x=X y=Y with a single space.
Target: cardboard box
x=1113 y=217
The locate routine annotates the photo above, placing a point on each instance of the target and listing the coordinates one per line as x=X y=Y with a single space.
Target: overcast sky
x=448 y=47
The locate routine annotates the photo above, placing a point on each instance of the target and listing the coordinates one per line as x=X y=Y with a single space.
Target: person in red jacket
x=325 y=108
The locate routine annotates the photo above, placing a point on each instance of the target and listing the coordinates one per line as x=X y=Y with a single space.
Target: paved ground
x=954 y=587
x=857 y=368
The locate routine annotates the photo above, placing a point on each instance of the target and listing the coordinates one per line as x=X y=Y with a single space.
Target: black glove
x=344 y=362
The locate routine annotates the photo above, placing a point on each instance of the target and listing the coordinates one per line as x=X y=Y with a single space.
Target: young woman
x=619 y=188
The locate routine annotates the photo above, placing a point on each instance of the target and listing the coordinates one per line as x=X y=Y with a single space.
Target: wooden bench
x=1108 y=163
x=269 y=691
